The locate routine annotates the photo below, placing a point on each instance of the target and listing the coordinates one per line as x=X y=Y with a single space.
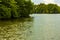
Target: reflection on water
x=40 y=27
x=17 y=29
x=46 y=27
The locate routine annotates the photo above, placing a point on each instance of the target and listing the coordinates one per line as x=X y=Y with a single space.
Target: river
x=39 y=27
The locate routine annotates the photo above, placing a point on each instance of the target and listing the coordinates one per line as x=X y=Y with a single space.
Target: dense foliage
x=15 y=8
x=49 y=8
x=22 y=8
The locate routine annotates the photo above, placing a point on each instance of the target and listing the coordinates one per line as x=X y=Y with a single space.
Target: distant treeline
x=47 y=8
x=15 y=8
x=22 y=8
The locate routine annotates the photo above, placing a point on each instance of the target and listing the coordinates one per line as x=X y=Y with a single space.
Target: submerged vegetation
x=15 y=8
x=47 y=8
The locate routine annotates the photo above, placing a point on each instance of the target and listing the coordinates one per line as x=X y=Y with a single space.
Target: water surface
x=40 y=27
x=46 y=27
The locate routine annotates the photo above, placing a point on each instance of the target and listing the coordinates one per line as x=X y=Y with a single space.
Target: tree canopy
x=47 y=8
x=15 y=8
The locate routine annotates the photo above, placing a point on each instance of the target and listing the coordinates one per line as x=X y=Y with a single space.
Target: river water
x=39 y=27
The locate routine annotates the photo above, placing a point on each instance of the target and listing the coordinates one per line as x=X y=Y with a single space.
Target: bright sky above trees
x=46 y=1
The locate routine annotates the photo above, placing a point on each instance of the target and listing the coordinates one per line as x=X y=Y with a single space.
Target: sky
x=46 y=1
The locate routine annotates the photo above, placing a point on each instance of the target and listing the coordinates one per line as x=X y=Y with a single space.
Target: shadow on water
x=13 y=21
x=41 y=27
x=15 y=29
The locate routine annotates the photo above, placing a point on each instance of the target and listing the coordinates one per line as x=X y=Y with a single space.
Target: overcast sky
x=46 y=1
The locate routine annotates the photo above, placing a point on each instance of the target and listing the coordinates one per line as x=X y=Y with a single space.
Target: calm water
x=40 y=27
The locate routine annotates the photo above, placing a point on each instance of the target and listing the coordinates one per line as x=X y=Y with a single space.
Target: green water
x=16 y=29
x=40 y=27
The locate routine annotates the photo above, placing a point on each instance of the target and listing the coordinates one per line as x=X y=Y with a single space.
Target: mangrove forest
x=43 y=8
x=15 y=8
